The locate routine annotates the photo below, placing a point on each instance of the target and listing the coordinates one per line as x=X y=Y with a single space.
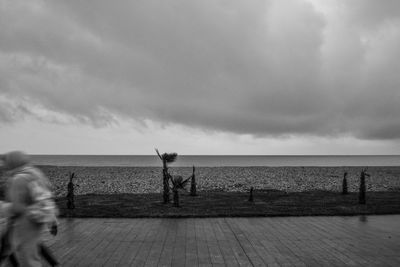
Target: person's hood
x=14 y=160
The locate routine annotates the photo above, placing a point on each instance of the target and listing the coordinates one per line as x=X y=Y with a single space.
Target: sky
x=271 y=77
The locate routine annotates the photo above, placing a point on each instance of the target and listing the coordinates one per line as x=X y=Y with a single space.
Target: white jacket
x=30 y=200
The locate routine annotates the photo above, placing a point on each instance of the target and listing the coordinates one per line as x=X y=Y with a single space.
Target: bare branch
x=171 y=178
x=187 y=180
x=158 y=153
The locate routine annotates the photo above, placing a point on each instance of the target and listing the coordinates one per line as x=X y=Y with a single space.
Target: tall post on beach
x=362 y=192
x=165 y=182
x=251 y=199
x=344 y=184
x=193 y=191
x=70 y=192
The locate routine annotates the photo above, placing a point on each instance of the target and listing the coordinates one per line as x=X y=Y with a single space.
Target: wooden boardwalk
x=280 y=241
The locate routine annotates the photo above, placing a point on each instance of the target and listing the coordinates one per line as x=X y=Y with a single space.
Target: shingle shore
x=111 y=180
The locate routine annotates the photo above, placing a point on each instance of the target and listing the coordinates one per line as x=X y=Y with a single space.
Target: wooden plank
x=131 y=242
x=138 y=242
x=78 y=258
x=202 y=248
x=314 y=245
x=216 y=256
x=168 y=246
x=148 y=239
x=272 y=242
x=191 y=244
x=67 y=238
x=237 y=250
x=224 y=244
x=123 y=244
x=179 y=254
x=254 y=235
x=326 y=231
x=289 y=241
x=109 y=238
x=72 y=240
x=241 y=229
x=373 y=238
x=157 y=244
x=94 y=258
x=303 y=251
x=264 y=239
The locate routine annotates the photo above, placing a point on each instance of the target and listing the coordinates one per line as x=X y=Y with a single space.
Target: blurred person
x=29 y=208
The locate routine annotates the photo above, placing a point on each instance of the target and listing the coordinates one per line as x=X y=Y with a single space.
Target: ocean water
x=215 y=161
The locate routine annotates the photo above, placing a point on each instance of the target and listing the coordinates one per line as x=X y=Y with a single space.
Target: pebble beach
x=114 y=180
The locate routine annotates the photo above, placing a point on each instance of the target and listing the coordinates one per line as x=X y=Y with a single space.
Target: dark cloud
x=260 y=67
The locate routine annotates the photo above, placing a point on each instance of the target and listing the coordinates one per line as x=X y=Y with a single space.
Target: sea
x=218 y=160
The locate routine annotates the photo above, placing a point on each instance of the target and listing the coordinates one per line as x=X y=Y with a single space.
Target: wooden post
x=165 y=182
x=344 y=184
x=70 y=192
x=362 y=192
x=251 y=199
x=193 y=191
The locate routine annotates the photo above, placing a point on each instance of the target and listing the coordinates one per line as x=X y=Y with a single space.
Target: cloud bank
x=265 y=68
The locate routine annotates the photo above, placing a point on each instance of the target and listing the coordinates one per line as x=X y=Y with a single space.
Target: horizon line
x=224 y=155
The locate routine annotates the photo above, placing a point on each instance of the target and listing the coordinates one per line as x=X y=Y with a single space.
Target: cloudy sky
x=200 y=77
